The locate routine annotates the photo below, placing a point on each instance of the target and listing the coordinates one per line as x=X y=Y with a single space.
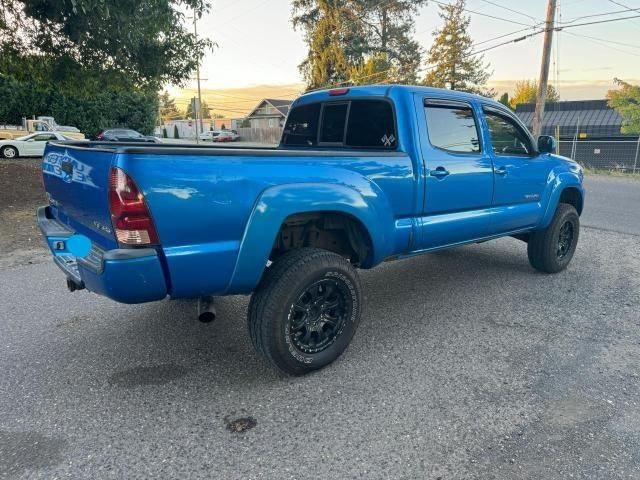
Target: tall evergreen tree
x=358 y=41
x=389 y=26
x=451 y=60
x=335 y=40
x=205 y=111
x=168 y=109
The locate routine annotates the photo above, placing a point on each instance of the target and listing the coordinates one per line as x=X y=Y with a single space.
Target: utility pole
x=544 y=68
x=198 y=109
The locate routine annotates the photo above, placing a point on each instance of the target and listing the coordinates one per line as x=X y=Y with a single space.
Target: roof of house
x=281 y=106
x=573 y=113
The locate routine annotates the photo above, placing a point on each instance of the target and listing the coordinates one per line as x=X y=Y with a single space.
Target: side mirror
x=546 y=144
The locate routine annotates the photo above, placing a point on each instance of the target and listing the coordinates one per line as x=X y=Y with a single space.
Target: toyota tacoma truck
x=361 y=176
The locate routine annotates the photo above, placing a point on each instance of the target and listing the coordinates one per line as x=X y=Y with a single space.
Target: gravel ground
x=467 y=364
x=20 y=194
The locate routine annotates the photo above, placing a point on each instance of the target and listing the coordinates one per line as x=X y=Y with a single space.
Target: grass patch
x=612 y=172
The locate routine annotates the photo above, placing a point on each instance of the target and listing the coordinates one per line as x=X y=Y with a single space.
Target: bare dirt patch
x=21 y=193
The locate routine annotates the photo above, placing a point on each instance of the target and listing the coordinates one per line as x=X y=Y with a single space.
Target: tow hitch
x=72 y=285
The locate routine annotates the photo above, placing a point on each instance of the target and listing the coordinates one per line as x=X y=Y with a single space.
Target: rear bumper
x=131 y=275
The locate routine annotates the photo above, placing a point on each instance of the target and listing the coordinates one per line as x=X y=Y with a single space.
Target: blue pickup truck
x=362 y=175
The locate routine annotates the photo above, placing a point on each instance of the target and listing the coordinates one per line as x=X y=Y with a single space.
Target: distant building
x=270 y=113
x=581 y=118
x=588 y=131
x=227 y=123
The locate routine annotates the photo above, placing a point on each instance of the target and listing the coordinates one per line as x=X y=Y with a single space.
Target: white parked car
x=209 y=136
x=219 y=136
x=31 y=145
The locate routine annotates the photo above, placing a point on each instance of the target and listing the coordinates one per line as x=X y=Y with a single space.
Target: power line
x=511 y=10
x=622 y=44
x=598 y=22
x=502 y=36
x=625 y=6
x=599 y=41
x=485 y=14
x=600 y=15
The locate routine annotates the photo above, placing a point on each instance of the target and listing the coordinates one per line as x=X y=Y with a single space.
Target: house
x=588 y=131
x=226 y=123
x=270 y=113
x=581 y=118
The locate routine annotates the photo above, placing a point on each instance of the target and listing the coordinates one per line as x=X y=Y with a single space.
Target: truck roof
x=386 y=91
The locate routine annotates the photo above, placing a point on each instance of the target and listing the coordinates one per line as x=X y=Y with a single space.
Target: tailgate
x=76 y=180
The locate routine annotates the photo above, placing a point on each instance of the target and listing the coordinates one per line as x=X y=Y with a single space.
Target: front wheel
x=9 y=152
x=550 y=250
x=305 y=310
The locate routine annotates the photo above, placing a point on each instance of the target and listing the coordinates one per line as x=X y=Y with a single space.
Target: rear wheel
x=9 y=152
x=305 y=310
x=550 y=250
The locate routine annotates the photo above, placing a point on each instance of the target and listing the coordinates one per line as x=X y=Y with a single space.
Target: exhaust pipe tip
x=206 y=310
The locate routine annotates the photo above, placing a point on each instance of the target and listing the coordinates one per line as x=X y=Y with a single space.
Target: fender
x=558 y=182
x=368 y=205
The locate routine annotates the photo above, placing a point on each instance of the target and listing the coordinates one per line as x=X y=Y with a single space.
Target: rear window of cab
x=348 y=123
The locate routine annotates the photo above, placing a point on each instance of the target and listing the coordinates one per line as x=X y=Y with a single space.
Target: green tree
x=334 y=37
x=527 y=90
x=504 y=99
x=168 y=109
x=450 y=58
x=350 y=39
x=205 y=111
x=94 y=63
x=626 y=101
x=147 y=42
x=374 y=70
x=388 y=29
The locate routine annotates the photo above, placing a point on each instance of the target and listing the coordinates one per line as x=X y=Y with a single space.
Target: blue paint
x=217 y=211
x=79 y=246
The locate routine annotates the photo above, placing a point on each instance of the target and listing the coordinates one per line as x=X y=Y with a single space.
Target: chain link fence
x=615 y=155
x=599 y=148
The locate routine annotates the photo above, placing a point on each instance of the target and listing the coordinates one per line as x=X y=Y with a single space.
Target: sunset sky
x=257 y=45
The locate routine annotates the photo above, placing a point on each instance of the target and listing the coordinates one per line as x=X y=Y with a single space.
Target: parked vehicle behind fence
x=362 y=175
x=125 y=135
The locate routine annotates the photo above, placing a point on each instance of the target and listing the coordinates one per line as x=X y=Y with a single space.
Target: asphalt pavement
x=467 y=364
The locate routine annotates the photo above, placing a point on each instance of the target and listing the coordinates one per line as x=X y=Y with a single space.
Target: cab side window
x=452 y=128
x=507 y=137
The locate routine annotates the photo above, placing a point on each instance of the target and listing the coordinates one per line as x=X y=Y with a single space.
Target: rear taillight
x=129 y=213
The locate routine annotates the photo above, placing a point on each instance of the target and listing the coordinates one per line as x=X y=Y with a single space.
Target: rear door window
x=452 y=128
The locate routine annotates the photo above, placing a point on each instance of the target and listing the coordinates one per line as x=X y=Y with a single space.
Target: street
x=467 y=364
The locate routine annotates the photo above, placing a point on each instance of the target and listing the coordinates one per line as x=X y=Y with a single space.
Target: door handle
x=439 y=172
x=500 y=171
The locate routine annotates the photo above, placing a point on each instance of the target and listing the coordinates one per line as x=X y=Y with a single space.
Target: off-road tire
x=271 y=308
x=543 y=248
